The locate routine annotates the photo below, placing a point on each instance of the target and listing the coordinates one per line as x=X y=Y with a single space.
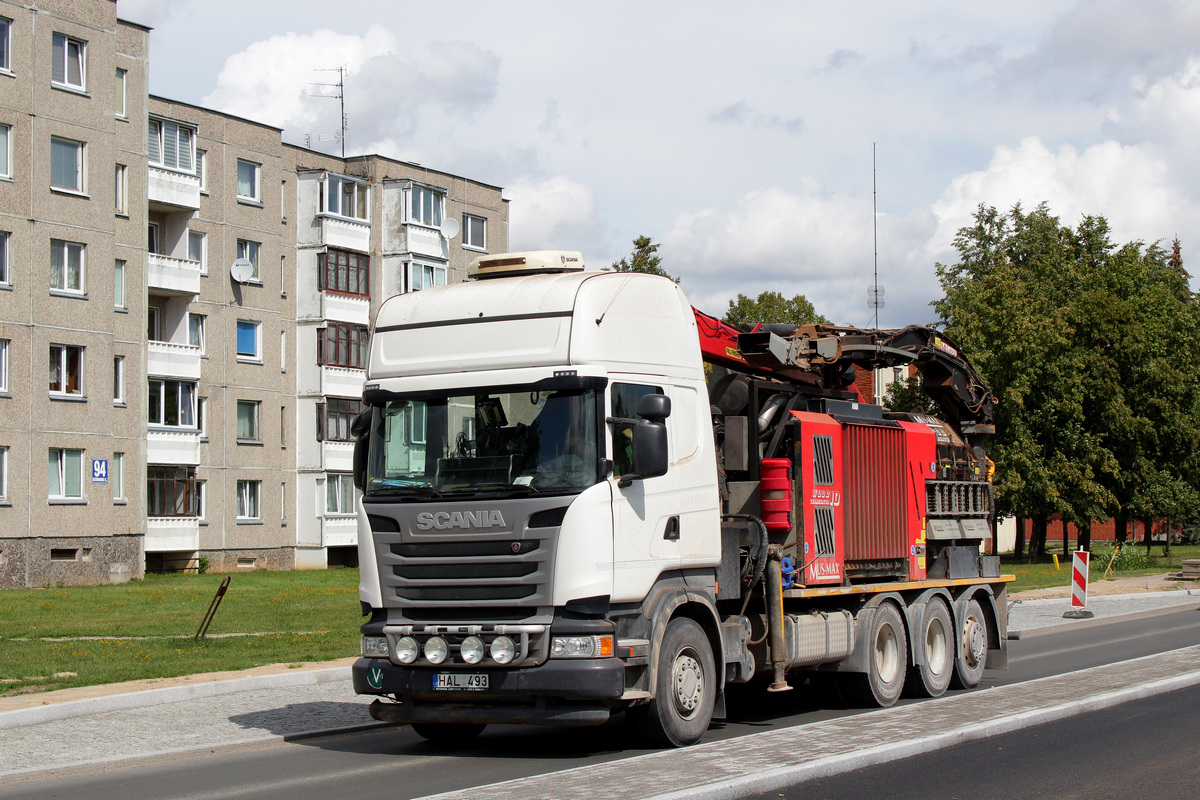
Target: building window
x=5 y=44
x=248 y=185
x=4 y=366
x=345 y=197
x=198 y=249
x=152 y=326
x=66 y=370
x=70 y=62
x=119 y=91
x=247 y=499
x=345 y=271
x=120 y=190
x=343 y=345
x=202 y=418
x=247 y=421
x=474 y=232
x=3 y=474
x=425 y=206
x=172 y=492
x=5 y=151
x=66 y=164
x=202 y=169
x=283 y=351
x=152 y=239
x=339 y=494
x=249 y=251
x=5 y=279
x=425 y=276
x=116 y=475
x=334 y=418
x=66 y=474
x=119 y=284
x=67 y=266
x=196 y=331
x=172 y=145
x=172 y=403
x=118 y=380
x=249 y=340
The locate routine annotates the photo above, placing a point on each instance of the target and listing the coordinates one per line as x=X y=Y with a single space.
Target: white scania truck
x=581 y=496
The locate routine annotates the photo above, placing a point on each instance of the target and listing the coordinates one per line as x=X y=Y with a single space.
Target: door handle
x=671 y=534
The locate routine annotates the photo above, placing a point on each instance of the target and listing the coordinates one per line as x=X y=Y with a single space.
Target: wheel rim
x=937 y=654
x=687 y=677
x=887 y=653
x=974 y=642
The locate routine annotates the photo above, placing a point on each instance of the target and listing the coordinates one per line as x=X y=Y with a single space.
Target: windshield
x=523 y=440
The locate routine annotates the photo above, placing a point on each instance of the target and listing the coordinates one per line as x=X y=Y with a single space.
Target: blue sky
x=741 y=141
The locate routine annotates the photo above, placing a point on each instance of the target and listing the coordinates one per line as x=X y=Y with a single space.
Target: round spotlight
x=471 y=650
x=503 y=649
x=407 y=650
x=436 y=650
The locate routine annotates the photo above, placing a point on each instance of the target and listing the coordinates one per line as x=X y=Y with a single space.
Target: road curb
x=21 y=717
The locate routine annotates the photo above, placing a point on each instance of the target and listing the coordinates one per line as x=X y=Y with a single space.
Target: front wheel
x=685 y=688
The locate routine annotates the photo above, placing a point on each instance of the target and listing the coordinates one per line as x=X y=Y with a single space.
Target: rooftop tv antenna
x=341 y=98
x=875 y=292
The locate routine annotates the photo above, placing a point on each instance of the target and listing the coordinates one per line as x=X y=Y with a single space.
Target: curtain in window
x=245 y=420
x=245 y=179
x=64 y=164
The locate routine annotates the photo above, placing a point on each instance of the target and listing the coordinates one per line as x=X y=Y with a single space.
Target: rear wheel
x=448 y=733
x=887 y=659
x=936 y=640
x=972 y=647
x=685 y=688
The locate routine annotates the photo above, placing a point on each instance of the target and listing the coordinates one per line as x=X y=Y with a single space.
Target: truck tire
x=972 y=648
x=935 y=637
x=685 y=688
x=887 y=660
x=448 y=733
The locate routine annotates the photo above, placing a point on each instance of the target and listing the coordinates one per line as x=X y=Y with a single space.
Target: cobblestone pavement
x=266 y=707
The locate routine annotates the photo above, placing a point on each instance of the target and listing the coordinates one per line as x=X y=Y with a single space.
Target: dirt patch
x=1139 y=585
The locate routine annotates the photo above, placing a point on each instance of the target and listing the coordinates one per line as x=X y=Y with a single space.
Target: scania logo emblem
x=516 y=547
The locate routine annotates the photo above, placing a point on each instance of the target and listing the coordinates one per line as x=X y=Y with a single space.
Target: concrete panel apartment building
x=155 y=409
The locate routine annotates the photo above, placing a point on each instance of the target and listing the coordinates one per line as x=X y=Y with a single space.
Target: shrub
x=1129 y=558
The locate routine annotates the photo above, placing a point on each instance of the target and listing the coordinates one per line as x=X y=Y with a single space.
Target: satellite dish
x=242 y=270
x=449 y=227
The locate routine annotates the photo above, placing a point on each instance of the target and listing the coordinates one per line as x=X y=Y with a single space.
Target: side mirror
x=649 y=451
x=655 y=407
x=359 y=429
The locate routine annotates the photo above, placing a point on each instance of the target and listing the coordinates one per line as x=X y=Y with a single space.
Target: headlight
x=436 y=650
x=407 y=650
x=374 y=647
x=581 y=646
x=503 y=649
x=471 y=650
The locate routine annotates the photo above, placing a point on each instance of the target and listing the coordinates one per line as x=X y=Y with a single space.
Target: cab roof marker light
x=536 y=262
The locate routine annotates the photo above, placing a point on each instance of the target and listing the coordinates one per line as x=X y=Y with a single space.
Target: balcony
x=170 y=534
x=171 y=360
x=345 y=308
x=339 y=531
x=180 y=446
x=342 y=382
x=173 y=275
x=345 y=233
x=338 y=456
x=423 y=241
x=173 y=189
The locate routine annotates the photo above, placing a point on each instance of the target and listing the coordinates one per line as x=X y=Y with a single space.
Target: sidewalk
x=109 y=723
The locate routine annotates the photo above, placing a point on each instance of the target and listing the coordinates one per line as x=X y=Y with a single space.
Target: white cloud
x=556 y=213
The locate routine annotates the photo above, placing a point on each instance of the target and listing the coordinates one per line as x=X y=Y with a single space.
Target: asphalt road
x=395 y=763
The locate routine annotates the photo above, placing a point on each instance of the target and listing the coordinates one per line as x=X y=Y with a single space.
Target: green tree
x=644 y=258
x=772 y=307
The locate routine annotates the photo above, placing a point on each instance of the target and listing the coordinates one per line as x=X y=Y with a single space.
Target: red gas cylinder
x=775 y=487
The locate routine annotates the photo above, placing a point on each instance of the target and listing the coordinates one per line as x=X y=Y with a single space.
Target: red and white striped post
x=1079 y=584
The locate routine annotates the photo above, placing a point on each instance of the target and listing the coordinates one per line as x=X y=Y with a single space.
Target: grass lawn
x=1042 y=575
x=310 y=615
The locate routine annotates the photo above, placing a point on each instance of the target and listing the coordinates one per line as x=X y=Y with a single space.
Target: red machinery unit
x=818 y=458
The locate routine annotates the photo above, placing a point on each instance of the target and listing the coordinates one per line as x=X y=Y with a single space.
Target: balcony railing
x=170 y=534
x=173 y=275
x=171 y=360
x=173 y=447
x=176 y=189
x=345 y=233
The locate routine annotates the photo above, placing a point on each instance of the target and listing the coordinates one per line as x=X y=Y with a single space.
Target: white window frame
x=283 y=351
x=411 y=284
x=333 y=191
x=6 y=45
x=160 y=131
x=255 y=408
x=118 y=380
x=344 y=481
x=202 y=417
x=153 y=324
x=116 y=476
x=58 y=462
x=181 y=395
x=119 y=284
x=249 y=500
x=469 y=243
x=5 y=278
x=417 y=206
x=153 y=238
x=63 y=357
x=65 y=249
x=121 y=190
x=256 y=197
x=6 y=151
x=202 y=238
x=79 y=186
x=80 y=46
x=196 y=324
x=250 y=250
x=256 y=358
x=202 y=169
x=4 y=474
x=122 y=77
x=4 y=347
